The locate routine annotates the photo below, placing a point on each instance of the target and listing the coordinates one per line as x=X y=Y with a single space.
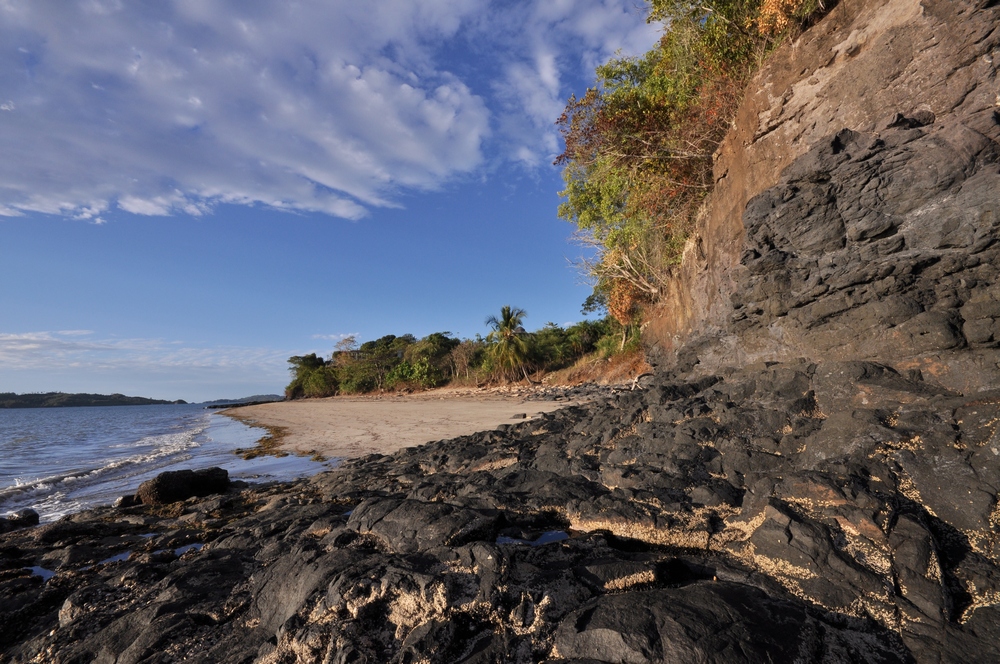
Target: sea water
x=61 y=460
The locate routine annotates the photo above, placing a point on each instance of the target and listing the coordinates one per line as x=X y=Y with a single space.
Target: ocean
x=62 y=460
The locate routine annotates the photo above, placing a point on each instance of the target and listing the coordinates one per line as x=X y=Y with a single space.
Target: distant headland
x=62 y=399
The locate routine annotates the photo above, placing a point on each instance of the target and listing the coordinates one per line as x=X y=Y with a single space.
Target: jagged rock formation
x=812 y=475
x=855 y=207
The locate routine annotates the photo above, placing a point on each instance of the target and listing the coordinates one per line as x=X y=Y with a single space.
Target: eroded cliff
x=855 y=211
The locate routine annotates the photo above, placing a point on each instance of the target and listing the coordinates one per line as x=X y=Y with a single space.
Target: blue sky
x=193 y=190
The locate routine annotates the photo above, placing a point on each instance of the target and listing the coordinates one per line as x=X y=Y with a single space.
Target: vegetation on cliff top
x=639 y=145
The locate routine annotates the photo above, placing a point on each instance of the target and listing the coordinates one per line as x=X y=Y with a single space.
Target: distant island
x=62 y=400
x=255 y=398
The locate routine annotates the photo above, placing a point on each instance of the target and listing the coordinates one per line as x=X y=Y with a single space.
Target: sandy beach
x=355 y=426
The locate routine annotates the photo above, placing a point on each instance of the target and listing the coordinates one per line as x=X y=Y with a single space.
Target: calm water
x=61 y=460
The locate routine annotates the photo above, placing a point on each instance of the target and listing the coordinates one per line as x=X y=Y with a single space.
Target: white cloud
x=562 y=41
x=76 y=361
x=46 y=351
x=336 y=337
x=331 y=106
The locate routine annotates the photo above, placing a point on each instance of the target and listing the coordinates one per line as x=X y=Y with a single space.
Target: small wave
x=163 y=439
x=23 y=485
x=168 y=448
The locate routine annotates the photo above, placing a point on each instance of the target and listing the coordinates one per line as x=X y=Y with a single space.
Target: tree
x=508 y=343
x=465 y=356
x=310 y=377
x=347 y=344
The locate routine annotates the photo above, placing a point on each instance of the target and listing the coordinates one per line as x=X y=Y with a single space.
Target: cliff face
x=856 y=212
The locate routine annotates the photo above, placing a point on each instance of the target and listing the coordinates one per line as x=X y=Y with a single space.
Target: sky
x=191 y=191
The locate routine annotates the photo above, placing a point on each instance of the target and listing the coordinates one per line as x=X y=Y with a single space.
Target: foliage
x=555 y=347
x=508 y=344
x=425 y=363
x=466 y=357
x=419 y=373
x=550 y=346
x=639 y=145
x=320 y=382
x=778 y=16
x=355 y=380
x=302 y=368
x=404 y=362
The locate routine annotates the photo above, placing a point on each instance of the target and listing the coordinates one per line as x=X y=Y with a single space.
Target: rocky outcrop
x=831 y=512
x=800 y=511
x=24 y=518
x=880 y=246
x=855 y=208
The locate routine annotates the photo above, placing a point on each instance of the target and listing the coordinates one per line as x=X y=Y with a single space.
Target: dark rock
x=23 y=518
x=126 y=501
x=176 y=485
x=713 y=622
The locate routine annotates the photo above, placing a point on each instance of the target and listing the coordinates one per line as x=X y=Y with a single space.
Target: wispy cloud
x=42 y=351
x=180 y=105
x=335 y=337
x=168 y=369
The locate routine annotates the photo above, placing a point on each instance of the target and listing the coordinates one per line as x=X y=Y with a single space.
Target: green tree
x=430 y=359
x=508 y=343
x=367 y=367
x=550 y=346
x=309 y=377
x=321 y=382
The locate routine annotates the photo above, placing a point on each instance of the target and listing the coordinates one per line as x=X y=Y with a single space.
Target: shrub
x=356 y=380
x=320 y=382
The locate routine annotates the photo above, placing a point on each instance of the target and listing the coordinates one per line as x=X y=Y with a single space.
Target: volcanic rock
x=175 y=485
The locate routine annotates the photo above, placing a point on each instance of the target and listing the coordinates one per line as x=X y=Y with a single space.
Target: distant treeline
x=61 y=399
x=507 y=353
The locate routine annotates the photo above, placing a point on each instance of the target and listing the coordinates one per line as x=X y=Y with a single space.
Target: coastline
x=353 y=426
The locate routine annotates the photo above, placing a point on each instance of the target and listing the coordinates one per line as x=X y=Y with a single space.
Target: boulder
x=24 y=518
x=176 y=485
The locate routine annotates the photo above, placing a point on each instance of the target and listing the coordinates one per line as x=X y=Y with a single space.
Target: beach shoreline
x=353 y=426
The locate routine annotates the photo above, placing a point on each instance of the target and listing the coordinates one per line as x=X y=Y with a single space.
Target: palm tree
x=508 y=342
